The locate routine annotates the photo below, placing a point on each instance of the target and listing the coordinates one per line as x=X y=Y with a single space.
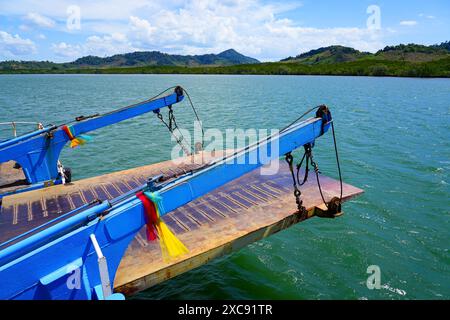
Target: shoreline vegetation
x=397 y=61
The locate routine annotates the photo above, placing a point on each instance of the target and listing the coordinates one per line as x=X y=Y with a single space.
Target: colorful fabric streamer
x=171 y=246
x=75 y=140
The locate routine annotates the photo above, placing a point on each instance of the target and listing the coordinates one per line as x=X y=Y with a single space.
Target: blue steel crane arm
x=38 y=152
x=126 y=113
x=114 y=226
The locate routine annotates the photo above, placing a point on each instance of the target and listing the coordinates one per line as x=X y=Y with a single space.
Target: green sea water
x=394 y=140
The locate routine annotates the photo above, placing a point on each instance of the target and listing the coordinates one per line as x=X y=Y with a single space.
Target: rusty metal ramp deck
x=240 y=212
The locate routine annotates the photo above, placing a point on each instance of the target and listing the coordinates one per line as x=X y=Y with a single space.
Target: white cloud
x=142 y=29
x=252 y=27
x=24 y=28
x=13 y=45
x=408 y=23
x=108 y=10
x=94 y=45
x=428 y=16
x=65 y=50
x=39 y=20
x=107 y=45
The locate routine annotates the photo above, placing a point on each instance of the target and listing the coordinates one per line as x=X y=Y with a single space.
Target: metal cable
x=224 y=158
x=126 y=107
x=316 y=169
x=196 y=115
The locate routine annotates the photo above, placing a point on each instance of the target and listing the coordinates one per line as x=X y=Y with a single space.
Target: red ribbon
x=150 y=215
x=67 y=131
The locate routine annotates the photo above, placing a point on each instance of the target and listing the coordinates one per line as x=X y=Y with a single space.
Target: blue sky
x=268 y=30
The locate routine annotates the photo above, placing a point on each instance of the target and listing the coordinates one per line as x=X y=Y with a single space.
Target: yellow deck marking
x=263 y=191
x=223 y=204
x=93 y=192
x=273 y=189
x=82 y=196
x=127 y=184
x=44 y=208
x=30 y=213
x=216 y=210
x=240 y=195
x=72 y=205
x=205 y=214
x=255 y=195
x=182 y=225
x=15 y=215
x=188 y=215
x=106 y=191
x=140 y=239
x=234 y=200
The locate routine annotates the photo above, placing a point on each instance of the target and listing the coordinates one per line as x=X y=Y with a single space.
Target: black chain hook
x=301 y=209
x=172 y=126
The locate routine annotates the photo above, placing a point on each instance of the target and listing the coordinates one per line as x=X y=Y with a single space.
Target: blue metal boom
x=38 y=152
x=46 y=264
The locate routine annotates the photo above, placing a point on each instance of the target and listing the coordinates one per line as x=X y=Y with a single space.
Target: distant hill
x=413 y=53
x=443 y=45
x=403 y=52
x=331 y=54
x=137 y=59
x=156 y=58
x=12 y=65
x=410 y=60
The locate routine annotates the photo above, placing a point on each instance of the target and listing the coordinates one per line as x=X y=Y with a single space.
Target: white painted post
x=103 y=268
